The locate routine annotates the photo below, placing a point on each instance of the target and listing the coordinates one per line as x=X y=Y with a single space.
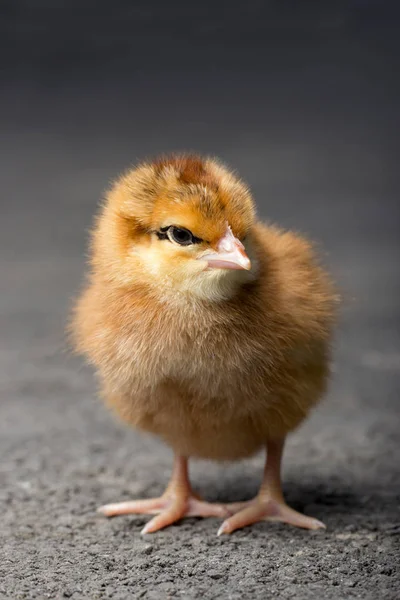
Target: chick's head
x=181 y=224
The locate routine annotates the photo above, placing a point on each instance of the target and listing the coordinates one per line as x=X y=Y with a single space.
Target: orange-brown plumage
x=216 y=362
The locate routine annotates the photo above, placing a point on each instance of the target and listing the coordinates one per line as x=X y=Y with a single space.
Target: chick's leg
x=178 y=501
x=269 y=504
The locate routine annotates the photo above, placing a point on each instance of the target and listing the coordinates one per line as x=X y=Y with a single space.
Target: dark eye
x=181 y=236
x=178 y=235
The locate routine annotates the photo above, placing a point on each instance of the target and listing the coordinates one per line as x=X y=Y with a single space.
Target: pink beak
x=230 y=254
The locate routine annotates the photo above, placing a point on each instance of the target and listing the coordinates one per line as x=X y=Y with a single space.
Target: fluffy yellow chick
x=207 y=328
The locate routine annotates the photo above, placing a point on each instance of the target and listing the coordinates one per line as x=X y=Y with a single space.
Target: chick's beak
x=230 y=254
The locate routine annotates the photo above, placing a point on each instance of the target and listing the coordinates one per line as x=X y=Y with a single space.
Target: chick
x=207 y=328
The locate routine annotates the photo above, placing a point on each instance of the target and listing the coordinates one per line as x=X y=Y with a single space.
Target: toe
x=199 y=508
x=151 y=506
x=287 y=515
x=247 y=516
x=170 y=515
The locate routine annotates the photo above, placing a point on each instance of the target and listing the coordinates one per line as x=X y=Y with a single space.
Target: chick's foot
x=168 y=509
x=178 y=501
x=259 y=509
x=269 y=504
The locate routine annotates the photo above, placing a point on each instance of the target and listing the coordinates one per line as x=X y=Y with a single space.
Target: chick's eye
x=181 y=236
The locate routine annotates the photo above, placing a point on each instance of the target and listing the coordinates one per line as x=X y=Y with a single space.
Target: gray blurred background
x=301 y=98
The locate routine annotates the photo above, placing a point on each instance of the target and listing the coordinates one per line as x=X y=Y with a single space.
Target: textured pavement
x=313 y=131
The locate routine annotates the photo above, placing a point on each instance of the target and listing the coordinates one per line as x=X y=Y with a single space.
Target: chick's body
x=215 y=361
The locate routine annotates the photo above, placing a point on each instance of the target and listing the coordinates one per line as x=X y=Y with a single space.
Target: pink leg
x=269 y=504
x=178 y=501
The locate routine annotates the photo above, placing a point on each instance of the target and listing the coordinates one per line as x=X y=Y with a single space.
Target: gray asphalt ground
x=313 y=127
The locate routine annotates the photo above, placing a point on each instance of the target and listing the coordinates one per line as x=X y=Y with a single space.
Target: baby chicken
x=207 y=328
